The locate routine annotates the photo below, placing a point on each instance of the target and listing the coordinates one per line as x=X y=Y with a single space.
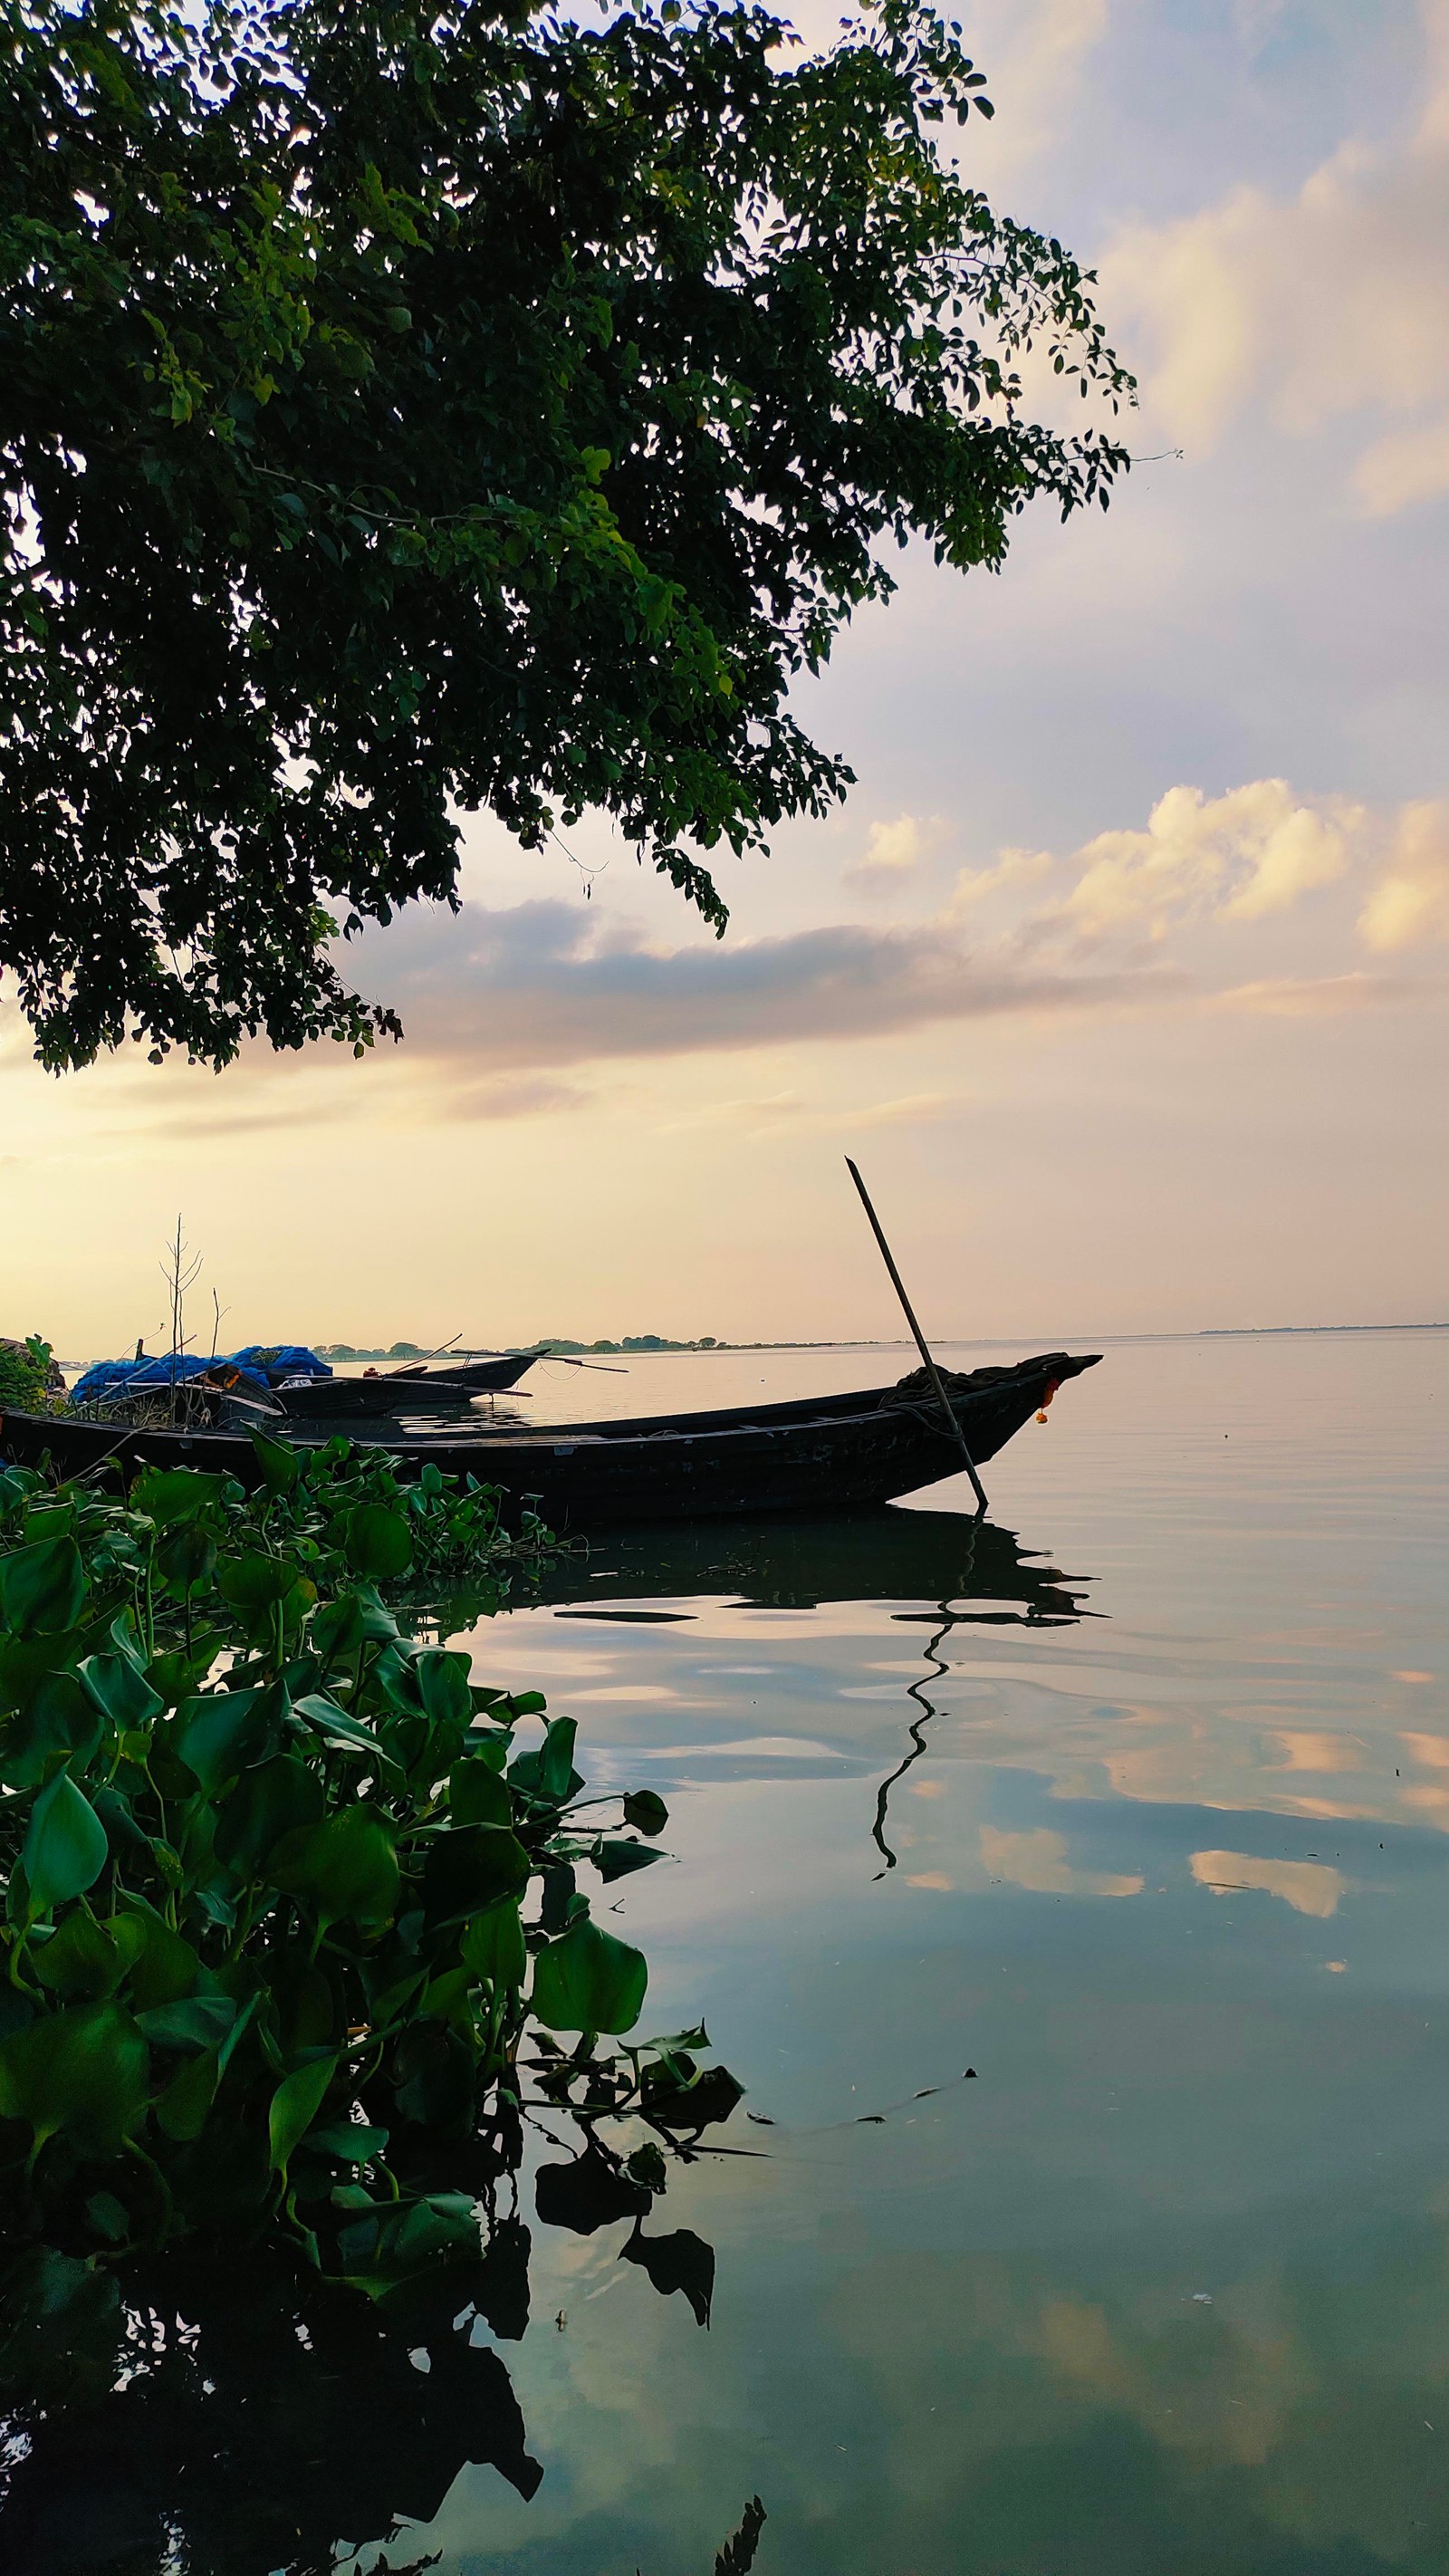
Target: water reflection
x=200 y=2414
x=231 y=2417
x=1166 y=2285
x=976 y=1571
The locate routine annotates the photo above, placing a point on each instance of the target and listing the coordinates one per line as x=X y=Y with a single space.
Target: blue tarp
x=276 y=1360
x=264 y=1363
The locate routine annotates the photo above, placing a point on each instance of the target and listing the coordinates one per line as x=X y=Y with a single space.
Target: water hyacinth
x=293 y=1938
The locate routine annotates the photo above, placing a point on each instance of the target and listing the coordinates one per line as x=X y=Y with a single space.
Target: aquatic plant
x=28 y=1376
x=272 y=1978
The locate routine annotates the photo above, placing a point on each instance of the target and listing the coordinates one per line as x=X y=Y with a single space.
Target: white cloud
x=1237 y=857
x=894 y=849
x=1410 y=903
x=1010 y=868
x=1330 y=304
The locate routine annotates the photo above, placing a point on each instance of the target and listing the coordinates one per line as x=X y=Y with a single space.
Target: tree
x=407 y=410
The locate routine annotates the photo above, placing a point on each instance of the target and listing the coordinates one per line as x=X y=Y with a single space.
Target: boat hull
x=361 y=1399
x=831 y=1454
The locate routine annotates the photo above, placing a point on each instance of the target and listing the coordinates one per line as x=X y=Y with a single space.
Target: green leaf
x=84 y=2070
x=556 y=1774
x=57 y=1721
x=280 y=1464
x=295 y=2105
x=645 y=1811
x=617 y=1859
x=65 y=1848
x=42 y=1588
x=120 y=1692
x=217 y=1734
x=443 y=1685
x=378 y=1542
x=586 y=1980
x=470 y=1868
x=187 y=1562
x=254 y=1582
x=274 y=1799
x=197 y=2022
x=350 y=2141
x=182 y=2108
x=157 y=1963
x=478 y=1795
x=25 y=1662
x=79 y=1959
x=346 y=1866
x=108 y=2217
x=336 y=1726
x=493 y=1947
x=172 y=1496
x=549 y=1773
x=336 y=1630
x=177 y=1675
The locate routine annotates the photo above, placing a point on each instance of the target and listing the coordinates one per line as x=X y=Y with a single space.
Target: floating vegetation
x=294 y=1953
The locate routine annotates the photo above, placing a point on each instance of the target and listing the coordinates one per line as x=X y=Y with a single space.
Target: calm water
x=1134 y=1801
x=1166 y=2286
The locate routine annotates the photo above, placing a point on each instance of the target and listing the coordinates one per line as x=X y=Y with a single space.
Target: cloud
x=505 y=998
x=521 y=1095
x=1302 y=997
x=1033 y=53
x=546 y=984
x=1010 y=868
x=1326 y=305
x=787 y=1110
x=894 y=849
x=1411 y=900
x=1238 y=857
x=1308 y=1886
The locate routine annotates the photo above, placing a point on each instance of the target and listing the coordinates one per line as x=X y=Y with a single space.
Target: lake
x=1131 y=1801
x=1165 y=2284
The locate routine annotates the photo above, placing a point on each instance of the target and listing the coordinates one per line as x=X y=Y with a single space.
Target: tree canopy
x=410 y=410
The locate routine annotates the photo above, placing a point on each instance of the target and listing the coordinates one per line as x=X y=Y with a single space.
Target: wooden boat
x=415 y=1389
x=820 y=1453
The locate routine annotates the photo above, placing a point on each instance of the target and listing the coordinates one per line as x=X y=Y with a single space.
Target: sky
x=1123 y=972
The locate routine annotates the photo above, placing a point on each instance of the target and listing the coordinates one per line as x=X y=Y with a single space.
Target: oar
x=414 y=1368
x=929 y=1365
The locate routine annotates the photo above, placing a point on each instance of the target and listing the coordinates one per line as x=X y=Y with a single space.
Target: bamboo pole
x=929 y=1365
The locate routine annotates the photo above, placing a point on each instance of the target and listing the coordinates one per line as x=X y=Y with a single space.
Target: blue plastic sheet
x=264 y=1363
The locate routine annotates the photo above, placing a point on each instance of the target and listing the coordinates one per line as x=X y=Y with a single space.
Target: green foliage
x=405 y=412
x=269 y=1957
x=26 y=1373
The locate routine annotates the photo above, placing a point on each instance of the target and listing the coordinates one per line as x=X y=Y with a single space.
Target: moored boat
x=819 y=1453
x=415 y=1389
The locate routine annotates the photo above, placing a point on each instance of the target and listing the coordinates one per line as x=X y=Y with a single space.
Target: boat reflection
x=973 y=1570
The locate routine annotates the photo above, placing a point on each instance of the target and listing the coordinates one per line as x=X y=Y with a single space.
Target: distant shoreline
x=1228 y=1332
x=641 y=1348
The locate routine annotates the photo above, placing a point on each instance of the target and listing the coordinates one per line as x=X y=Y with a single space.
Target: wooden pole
x=929 y=1365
